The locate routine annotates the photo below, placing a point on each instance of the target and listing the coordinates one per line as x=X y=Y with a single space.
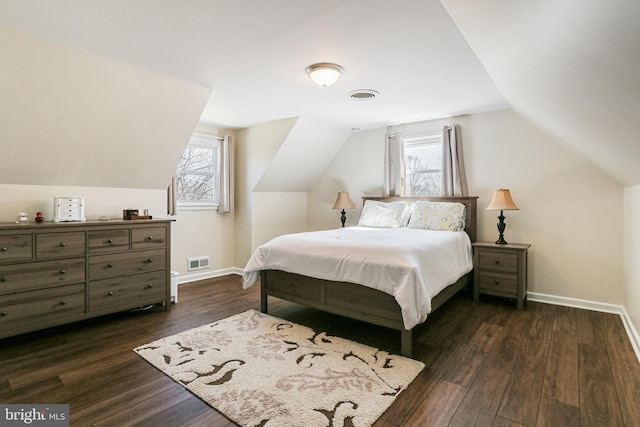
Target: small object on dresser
x=68 y=209
x=39 y=217
x=129 y=213
x=22 y=218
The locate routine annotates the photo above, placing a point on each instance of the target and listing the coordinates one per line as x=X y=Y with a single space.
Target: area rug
x=259 y=370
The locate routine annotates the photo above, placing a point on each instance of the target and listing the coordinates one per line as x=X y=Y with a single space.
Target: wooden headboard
x=471 y=202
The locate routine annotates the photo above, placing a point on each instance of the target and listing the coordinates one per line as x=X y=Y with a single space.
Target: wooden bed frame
x=357 y=301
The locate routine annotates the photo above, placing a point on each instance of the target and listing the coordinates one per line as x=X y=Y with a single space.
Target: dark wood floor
x=487 y=364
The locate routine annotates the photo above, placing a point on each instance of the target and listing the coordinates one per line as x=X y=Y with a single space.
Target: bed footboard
x=345 y=299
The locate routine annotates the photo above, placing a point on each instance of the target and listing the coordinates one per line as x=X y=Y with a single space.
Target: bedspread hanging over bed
x=412 y=265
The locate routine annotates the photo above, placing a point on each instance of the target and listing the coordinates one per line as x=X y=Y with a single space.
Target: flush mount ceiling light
x=324 y=73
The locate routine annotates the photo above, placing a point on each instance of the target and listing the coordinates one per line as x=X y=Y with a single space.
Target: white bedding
x=412 y=265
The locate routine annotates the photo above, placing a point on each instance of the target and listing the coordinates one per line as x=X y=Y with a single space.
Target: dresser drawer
x=498 y=284
x=149 y=237
x=105 y=241
x=36 y=275
x=24 y=308
x=127 y=291
x=58 y=245
x=16 y=247
x=105 y=266
x=498 y=261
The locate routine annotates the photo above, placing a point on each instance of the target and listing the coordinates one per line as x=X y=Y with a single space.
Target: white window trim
x=183 y=205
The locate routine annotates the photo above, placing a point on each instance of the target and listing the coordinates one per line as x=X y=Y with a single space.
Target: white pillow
x=382 y=215
x=442 y=216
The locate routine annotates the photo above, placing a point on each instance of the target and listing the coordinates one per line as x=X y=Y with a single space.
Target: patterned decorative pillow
x=382 y=215
x=442 y=216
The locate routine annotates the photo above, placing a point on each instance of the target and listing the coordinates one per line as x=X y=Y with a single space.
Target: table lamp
x=343 y=202
x=501 y=201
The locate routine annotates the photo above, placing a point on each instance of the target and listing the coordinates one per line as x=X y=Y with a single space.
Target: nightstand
x=500 y=270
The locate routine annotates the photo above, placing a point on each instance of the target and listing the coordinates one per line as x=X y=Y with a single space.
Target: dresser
x=56 y=273
x=500 y=270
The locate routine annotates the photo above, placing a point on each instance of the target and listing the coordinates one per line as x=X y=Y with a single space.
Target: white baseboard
x=208 y=275
x=632 y=333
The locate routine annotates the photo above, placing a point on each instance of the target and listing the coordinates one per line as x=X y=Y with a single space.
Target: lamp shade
x=324 y=73
x=343 y=201
x=502 y=201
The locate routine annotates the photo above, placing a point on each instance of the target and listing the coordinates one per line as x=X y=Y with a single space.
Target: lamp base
x=501 y=227
x=343 y=217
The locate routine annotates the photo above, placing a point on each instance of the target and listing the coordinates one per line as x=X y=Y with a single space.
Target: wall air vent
x=363 y=94
x=199 y=263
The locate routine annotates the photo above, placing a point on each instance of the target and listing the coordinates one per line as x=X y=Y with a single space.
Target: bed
x=357 y=298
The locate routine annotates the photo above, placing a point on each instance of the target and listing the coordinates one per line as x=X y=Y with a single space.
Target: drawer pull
x=497 y=262
x=110 y=241
x=150 y=238
x=63 y=244
x=497 y=282
x=150 y=260
x=110 y=265
x=4 y=249
x=3 y=279
x=110 y=293
x=63 y=302
x=4 y=313
x=63 y=271
x=149 y=286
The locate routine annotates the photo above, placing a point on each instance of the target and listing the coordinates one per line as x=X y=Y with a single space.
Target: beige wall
x=202 y=233
x=99 y=201
x=255 y=147
x=632 y=253
x=277 y=213
x=564 y=201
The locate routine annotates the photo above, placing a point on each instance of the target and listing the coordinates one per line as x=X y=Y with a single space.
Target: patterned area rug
x=259 y=370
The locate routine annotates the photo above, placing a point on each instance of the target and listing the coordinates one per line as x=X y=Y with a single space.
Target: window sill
x=211 y=207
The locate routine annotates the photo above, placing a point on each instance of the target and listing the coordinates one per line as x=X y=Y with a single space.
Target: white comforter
x=412 y=265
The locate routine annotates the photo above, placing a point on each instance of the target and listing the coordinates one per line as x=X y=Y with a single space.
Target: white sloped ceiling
x=70 y=117
x=572 y=67
x=302 y=157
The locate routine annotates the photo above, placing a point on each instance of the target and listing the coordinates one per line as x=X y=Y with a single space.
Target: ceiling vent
x=363 y=94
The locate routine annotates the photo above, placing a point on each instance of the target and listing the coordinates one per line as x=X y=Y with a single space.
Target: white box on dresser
x=68 y=209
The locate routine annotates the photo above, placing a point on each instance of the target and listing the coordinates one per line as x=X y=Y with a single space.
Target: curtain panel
x=454 y=178
x=172 y=202
x=227 y=159
x=394 y=166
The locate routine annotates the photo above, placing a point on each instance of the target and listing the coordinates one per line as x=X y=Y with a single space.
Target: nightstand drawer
x=498 y=261
x=498 y=284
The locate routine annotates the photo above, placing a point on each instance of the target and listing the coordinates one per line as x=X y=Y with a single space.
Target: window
x=423 y=163
x=198 y=174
